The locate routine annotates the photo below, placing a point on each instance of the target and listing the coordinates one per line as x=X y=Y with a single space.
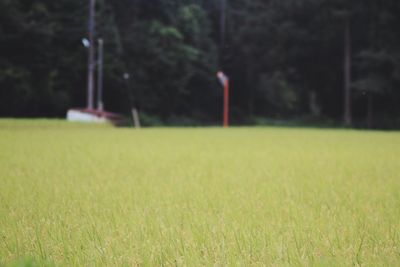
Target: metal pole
x=225 y=84
x=100 y=76
x=91 y=59
x=134 y=111
x=225 y=80
x=135 y=116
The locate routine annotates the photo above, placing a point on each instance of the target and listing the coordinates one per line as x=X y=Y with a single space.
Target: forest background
x=319 y=62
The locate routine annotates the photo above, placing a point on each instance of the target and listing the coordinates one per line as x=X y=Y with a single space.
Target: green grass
x=80 y=195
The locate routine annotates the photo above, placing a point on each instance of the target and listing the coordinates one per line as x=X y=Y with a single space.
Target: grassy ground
x=78 y=195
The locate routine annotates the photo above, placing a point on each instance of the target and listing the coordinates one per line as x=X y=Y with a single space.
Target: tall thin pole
x=347 y=74
x=100 y=76
x=224 y=80
x=91 y=59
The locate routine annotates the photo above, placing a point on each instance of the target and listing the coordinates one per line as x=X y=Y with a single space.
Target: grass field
x=80 y=195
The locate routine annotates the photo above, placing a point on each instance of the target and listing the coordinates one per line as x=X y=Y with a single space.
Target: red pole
x=226 y=103
x=225 y=83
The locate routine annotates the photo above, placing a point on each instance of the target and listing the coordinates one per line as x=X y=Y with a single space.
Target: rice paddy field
x=84 y=195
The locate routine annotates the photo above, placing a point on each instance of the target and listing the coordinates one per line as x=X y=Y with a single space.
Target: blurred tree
x=170 y=53
x=378 y=61
x=328 y=58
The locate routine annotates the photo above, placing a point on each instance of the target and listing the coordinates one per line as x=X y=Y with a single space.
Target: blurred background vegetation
x=286 y=59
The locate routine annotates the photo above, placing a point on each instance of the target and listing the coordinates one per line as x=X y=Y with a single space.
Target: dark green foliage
x=285 y=59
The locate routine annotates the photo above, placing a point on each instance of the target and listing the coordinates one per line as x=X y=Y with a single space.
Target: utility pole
x=91 y=59
x=347 y=74
x=100 y=75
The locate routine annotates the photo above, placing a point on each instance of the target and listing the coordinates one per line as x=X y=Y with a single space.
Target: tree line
x=310 y=60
